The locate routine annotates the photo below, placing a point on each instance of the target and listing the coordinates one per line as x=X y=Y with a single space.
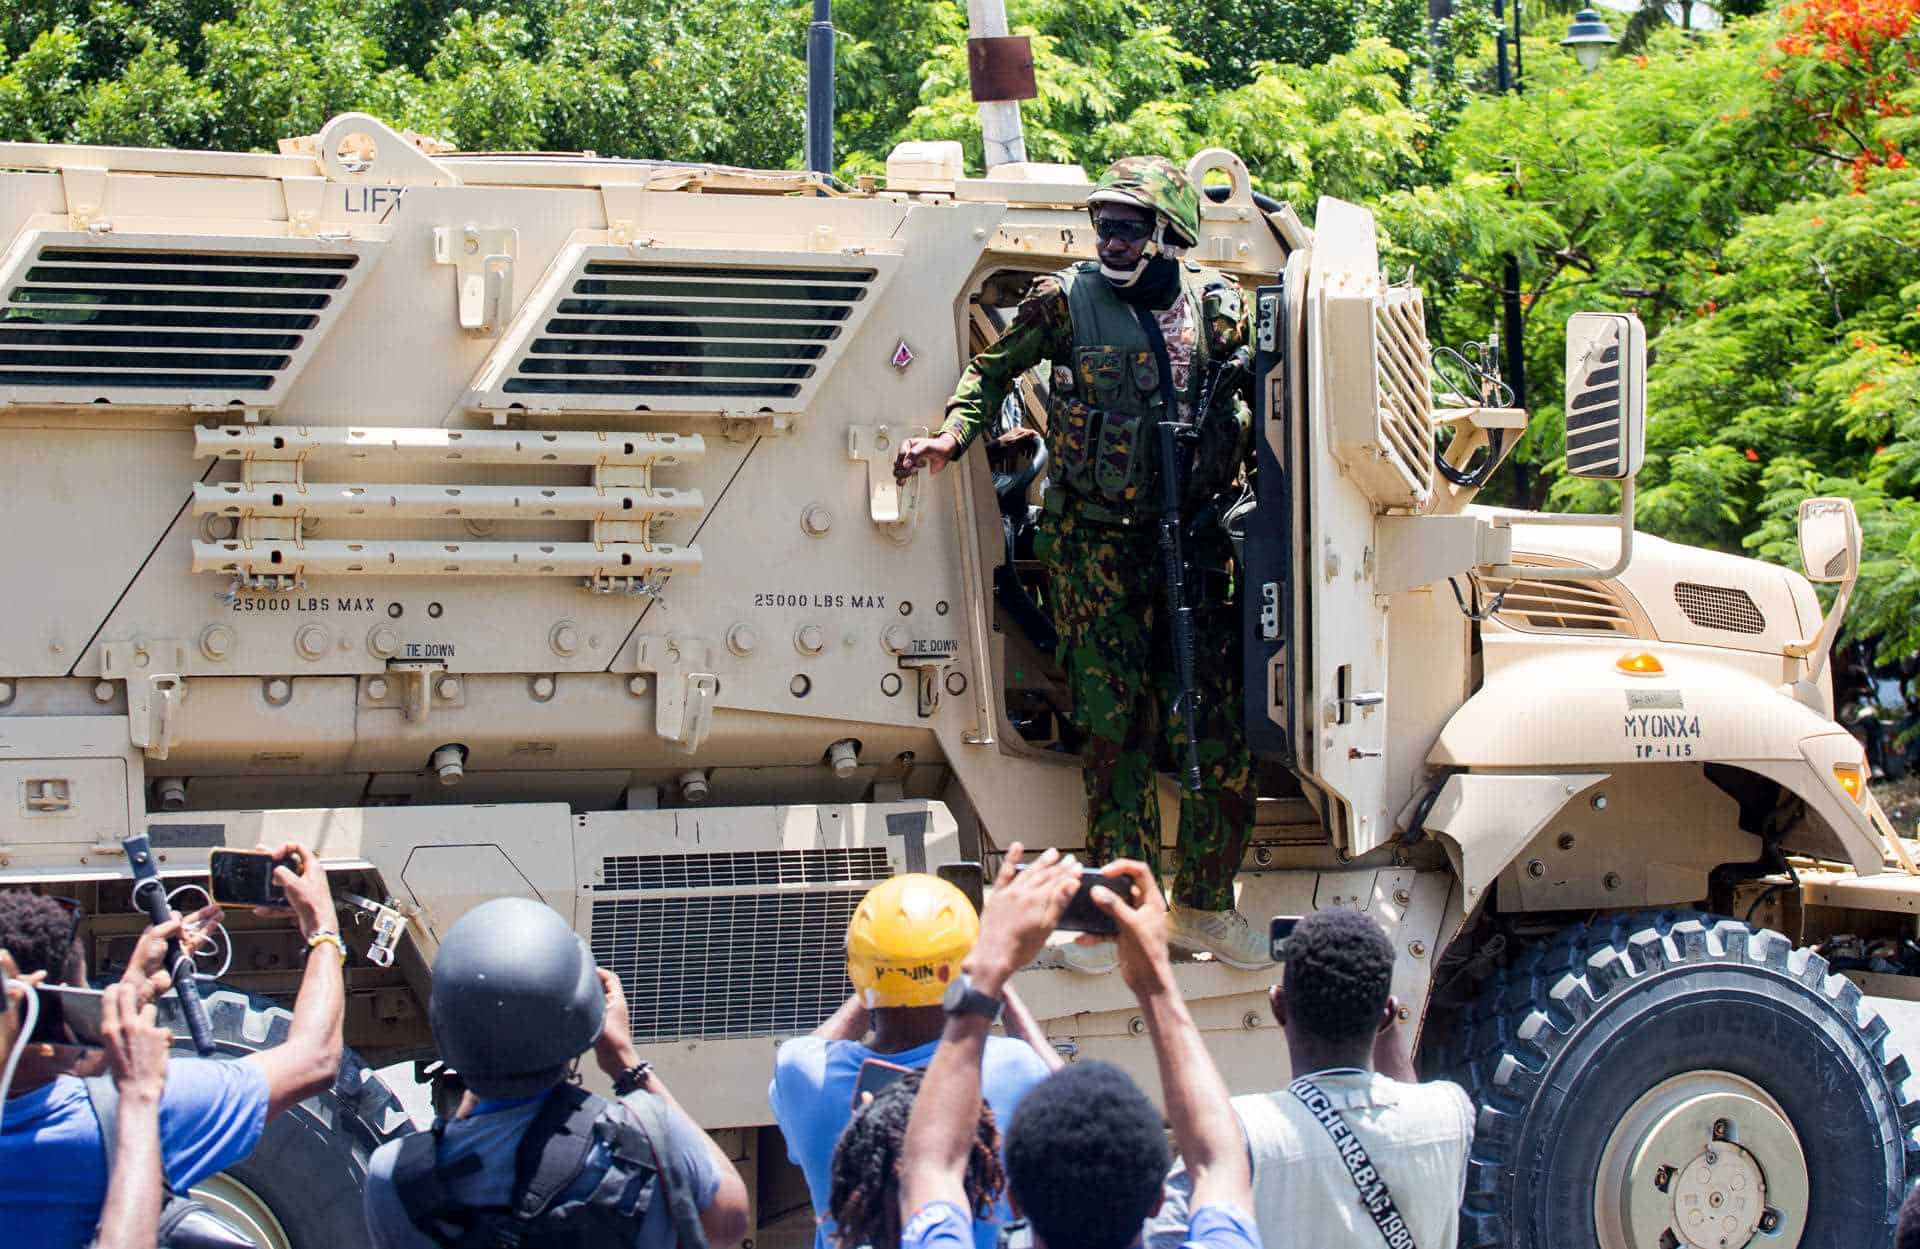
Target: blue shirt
x=53 y=1172
x=812 y=1097
x=943 y=1225
x=492 y=1131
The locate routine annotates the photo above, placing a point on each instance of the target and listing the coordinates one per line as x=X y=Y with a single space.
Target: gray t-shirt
x=1418 y=1136
x=493 y=1132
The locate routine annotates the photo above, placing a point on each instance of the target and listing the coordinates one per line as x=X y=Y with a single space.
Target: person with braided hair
x=904 y=946
x=866 y=1171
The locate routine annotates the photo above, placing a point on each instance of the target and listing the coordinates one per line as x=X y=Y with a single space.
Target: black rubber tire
x=311 y=1164
x=1565 y=1038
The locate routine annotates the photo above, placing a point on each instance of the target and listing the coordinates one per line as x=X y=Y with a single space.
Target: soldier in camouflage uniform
x=1116 y=332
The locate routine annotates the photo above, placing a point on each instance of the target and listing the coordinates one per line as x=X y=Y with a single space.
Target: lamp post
x=1511 y=325
x=1589 y=38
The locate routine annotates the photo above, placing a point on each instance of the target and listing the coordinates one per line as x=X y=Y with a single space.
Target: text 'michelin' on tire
x=1680 y=1081
x=301 y=1188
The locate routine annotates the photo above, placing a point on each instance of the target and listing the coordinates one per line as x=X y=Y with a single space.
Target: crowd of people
x=915 y=1126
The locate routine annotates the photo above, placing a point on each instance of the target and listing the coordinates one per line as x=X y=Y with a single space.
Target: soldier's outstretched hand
x=935 y=452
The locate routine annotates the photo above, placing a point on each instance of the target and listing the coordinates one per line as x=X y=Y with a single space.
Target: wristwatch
x=963 y=999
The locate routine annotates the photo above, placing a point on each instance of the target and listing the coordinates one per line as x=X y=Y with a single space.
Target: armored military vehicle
x=525 y=525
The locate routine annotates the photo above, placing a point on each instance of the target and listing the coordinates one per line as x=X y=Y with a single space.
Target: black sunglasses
x=1126 y=229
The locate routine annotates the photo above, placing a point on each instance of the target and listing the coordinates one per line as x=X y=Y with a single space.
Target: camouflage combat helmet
x=1158 y=185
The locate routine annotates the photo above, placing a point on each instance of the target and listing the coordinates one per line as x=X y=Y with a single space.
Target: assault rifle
x=1176 y=442
x=1177 y=439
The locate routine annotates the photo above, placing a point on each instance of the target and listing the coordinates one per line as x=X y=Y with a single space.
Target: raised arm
x=940 y=1133
x=1205 y=1129
x=309 y=1059
x=136 y=1049
x=849 y=1023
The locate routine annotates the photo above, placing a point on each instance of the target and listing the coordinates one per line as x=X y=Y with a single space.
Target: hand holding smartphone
x=1081 y=914
x=245 y=877
x=876 y=1074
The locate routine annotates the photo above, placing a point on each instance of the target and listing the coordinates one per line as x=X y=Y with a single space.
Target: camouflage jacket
x=1042 y=330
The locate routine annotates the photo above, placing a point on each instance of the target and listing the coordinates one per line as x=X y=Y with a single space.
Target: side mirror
x=1829 y=539
x=1606 y=395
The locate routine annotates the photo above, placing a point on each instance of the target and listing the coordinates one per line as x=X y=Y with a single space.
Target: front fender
x=1576 y=711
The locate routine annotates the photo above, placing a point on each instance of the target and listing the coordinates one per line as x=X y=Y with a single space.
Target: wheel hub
x=1705 y=1160
x=1719 y=1199
x=243 y=1208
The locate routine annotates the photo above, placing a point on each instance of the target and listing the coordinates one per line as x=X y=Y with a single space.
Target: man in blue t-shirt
x=53 y=1177
x=1085 y=1152
x=904 y=945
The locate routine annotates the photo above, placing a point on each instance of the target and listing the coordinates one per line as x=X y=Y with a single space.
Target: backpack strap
x=554 y=1150
x=650 y=1115
x=421 y=1183
x=1367 y=1181
x=104 y=1096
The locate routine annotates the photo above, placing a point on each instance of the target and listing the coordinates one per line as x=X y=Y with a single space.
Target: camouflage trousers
x=1110 y=605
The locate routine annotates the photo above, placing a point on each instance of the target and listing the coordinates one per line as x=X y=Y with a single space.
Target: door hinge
x=156 y=686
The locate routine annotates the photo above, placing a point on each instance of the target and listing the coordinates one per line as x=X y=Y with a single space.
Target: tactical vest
x=560 y=1199
x=1103 y=420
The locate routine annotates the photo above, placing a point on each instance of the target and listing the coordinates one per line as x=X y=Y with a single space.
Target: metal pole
x=1512 y=325
x=1006 y=141
x=820 y=88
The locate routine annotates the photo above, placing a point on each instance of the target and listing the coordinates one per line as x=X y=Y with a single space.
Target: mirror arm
x=1816 y=649
x=1539 y=572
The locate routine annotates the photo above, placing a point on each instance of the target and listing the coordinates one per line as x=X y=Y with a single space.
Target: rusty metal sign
x=1001 y=68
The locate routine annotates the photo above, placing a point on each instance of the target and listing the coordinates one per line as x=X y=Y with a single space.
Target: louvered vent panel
x=680 y=331
x=1562 y=607
x=741 y=965
x=628 y=872
x=1380 y=402
x=167 y=320
x=1722 y=607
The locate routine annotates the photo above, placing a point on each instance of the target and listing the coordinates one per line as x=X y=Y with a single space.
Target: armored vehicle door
x=1344 y=414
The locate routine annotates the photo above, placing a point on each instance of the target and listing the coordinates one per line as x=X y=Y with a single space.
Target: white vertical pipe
x=1000 y=126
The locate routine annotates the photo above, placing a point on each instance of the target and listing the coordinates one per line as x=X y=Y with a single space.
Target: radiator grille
x=1562 y=607
x=693 y=330
x=766 y=964
x=116 y=322
x=628 y=872
x=1721 y=607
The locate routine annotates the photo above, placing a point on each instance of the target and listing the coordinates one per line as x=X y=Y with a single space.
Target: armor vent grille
x=152 y=324
x=1406 y=398
x=628 y=872
x=689 y=330
x=1562 y=607
x=741 y=965
x=1719 y=607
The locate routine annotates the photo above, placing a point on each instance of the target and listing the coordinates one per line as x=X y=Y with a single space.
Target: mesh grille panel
x=1562 y=607
x=764 y=964
x=1719 y=607
x=117 y=318
x=756 y=867
x=629 y=329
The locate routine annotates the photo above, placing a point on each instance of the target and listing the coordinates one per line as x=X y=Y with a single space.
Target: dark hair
x=1908 y=1235
x=1086 y=1157
x=865 y=1200
x=37 y=931
x=1339 y=972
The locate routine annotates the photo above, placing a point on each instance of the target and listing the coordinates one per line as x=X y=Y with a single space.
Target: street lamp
x=1589 y=38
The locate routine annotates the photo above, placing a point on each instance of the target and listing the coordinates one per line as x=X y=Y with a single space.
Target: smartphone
x=970 y=879
x=79 y=1009
x=245 y=877
x=876 y=1074
x=1081 y=914
x=1279 y=928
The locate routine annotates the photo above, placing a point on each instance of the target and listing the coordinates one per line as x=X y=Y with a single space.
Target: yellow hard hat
x=907 y=938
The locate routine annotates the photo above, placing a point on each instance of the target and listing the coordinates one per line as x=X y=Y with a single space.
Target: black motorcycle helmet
x=516 y=998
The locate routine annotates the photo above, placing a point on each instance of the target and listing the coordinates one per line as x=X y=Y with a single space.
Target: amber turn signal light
x=1639 y=664
x=1853 y=779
